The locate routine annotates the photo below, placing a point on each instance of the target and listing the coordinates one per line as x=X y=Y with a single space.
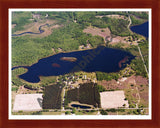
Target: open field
x=125 y=91
x=28 y=102
x=113 y=99
x=105 y=32
x=113 y=16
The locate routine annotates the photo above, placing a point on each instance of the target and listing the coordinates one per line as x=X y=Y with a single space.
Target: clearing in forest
x=113 y=99
x=28 y=102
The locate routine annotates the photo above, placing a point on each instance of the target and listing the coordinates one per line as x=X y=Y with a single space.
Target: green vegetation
x=68 y=37
x=119 y=27
x=15 y=79
x=32 y=86
x=37 y=113
x=100 y=88
x=137 y=111
x=26 y=51
x=85 y=112
x=73 y=110
x=21 y=19
x=47 y=80
x=142 y=15
x=115 y=110
x=138 y=66
x=106 y=76
x=15 y=89
x=87 y=93
x=103 y=112
x=136 y=21
x=52 y=97
x=131 y=97
x=67 y=113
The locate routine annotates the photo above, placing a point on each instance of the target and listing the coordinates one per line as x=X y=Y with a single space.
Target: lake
x=142 y=29
x=99 y=59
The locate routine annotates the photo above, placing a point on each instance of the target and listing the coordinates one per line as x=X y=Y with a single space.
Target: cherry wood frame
x=6 y=4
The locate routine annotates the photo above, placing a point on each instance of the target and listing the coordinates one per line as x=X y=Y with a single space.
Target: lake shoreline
x=66 y=52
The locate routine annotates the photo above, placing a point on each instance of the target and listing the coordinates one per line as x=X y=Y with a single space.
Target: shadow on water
x=39 y=101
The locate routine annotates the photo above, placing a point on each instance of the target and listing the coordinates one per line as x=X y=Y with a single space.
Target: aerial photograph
x=79 y=62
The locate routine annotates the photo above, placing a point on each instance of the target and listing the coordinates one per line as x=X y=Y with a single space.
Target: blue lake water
x=142 y=29
x=100 y=59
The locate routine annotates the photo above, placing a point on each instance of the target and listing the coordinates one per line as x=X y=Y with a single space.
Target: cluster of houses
x=73 y=81
x=88 y=46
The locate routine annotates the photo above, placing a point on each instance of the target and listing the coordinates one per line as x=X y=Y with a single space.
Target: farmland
x=87 y=93
x=79 y=31
x=52 y=97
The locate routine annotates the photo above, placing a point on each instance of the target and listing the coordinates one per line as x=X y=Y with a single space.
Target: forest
x=28 y=50
x=87 y=94
x=52 y=97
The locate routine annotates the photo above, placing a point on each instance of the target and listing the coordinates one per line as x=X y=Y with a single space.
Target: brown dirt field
x=118 y=39
x=98 y=31
x=144 y=95
x=138 y=93
x=113 y=99
x=28 y=102
x=141 y=80
x=112 y=16
x=107 y=35
x=108 y=85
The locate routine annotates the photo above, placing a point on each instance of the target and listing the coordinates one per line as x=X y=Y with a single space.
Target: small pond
x=80 y=106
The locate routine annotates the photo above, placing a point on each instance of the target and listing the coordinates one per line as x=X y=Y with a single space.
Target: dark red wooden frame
x=6 y=4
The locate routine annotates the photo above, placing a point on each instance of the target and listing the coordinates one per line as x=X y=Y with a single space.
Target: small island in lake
x=71 y=59
x=80 y=63
x=56 y=65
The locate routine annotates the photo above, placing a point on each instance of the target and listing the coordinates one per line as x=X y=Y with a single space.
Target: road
x=63 y=100
x=98 y=109
x=130 y=22
x=137 y=94
x=142 y=59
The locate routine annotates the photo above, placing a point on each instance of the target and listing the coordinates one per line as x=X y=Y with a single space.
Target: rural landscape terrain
x=49 y=76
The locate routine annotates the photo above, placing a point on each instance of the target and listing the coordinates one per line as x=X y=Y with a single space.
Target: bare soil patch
x=135 y=87
x=111 y=85
x=118 y=39
x=113 y=16
x=113 y=99
x=28 y=102
x=105 y=32
x=122 y=83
